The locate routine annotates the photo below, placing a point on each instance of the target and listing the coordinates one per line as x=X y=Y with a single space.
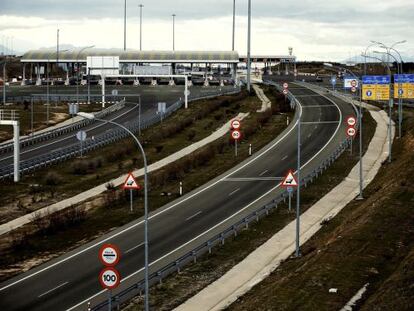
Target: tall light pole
x=234 y=23
x=4 y=80
x=140 y=26
x=361 y=177
x=389 y=49
x=365 y=57
x=390 y=104
x=78 y=70
x=297 y=253
x=173 y=30
x=249 y=19
x=125 y=16
x=91 y=116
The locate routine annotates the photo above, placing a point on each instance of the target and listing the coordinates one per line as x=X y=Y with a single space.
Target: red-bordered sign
x=353 y=83
x=236 y=135
x=285 y=91
x=109 y=278
x=289 y=180
x=235 y=124
x=285 y=85
x=109 y=255
x=131 y=183
x=351 y=131
x=353 y=89
x=351 y=121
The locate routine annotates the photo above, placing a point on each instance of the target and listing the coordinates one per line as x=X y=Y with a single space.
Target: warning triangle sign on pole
x=289 y=180
x=131 y=183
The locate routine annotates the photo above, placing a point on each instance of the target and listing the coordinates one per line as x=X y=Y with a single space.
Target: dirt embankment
x=370 y=241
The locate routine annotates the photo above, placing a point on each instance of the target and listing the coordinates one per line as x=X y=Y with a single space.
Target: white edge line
x=132 y=248
x=244 y=208
x=53 y=289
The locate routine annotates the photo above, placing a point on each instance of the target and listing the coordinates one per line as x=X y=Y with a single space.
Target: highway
x=70 y=281
x=150 y=96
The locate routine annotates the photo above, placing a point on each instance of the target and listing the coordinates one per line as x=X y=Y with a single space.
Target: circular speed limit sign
x=109 y=255
x=285 y=85
x=351 y=132
x=109 y=278
x=351 y=121
x=285 y=92
x=236 y=134
x=235 y=124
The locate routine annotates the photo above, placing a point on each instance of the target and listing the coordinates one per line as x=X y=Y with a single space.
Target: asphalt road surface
x=70 y=281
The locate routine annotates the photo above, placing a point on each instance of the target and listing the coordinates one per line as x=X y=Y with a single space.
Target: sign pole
x=290 y=200
x=130 y=197
x=298 y=189
x=109 y=300
x=81 y=145
x=235 y=143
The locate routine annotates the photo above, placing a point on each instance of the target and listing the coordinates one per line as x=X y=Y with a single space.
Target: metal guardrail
x=230 y=231
x=36 y=138
x=98 y=141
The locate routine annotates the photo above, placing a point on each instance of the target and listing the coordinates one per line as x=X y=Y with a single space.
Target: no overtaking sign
x=109 y=255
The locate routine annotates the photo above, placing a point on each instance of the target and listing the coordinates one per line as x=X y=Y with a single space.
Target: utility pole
x=173 y=16
x=125 y=14
x=234 y=23
x=248 y=44
x=140 y=26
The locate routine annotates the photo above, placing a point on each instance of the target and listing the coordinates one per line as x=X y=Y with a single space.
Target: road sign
x=187 y=92
x=236 y=135
x=351 y=121
x=235 y=124
x=353 y=83
x=109 y=278
x=131 y=183
x=353 y=89
x=351 y=131
x=109 y=255
x=162 y=107
x=289 y=180
x=81 y=135
x=114 y=92
x=289 y=189
x=285 y=92
x=350 y=82
x=285 y=85
x=333 y=80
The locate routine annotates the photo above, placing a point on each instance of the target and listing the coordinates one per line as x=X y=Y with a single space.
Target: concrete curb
x=79 y=198
x=265 y=259
x=266 y=103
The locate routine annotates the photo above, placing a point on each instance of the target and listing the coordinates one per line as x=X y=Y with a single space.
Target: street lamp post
x=4 y=80
x=78 y=70
x=125 y=16
x=234 y=23
x=140 y=26
x=390 y=104
x=91 y=116
x=297 y=253
x=361 y=177
x=173 y=20
x=365 y=57
x=249 y=19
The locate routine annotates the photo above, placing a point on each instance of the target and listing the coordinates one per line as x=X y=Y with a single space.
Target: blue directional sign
x=376 y=79
x=404 y=78
x=333 y=80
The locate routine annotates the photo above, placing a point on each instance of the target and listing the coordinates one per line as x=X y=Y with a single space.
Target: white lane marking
x=317 y=106
x=284 y=158
x=320 y=122
x=233 y=192
x=264 y=172
x=68 y=137
x=53 y=289
x=135 y=247
x=254 y=179
x=195 y=215
x=231 y=216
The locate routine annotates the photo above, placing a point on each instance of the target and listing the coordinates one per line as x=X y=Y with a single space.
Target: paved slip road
x=150 y=96
x=70 y=281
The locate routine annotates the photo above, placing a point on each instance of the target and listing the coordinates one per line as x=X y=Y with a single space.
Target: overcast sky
x=316 y=29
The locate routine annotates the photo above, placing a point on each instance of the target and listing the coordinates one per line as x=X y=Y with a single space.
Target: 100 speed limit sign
x=109 y=278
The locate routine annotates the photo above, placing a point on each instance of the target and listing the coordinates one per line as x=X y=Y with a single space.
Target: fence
x=235 y=225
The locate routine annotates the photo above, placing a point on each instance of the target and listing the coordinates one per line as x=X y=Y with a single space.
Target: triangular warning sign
x=131 y=183
x=290 y=180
